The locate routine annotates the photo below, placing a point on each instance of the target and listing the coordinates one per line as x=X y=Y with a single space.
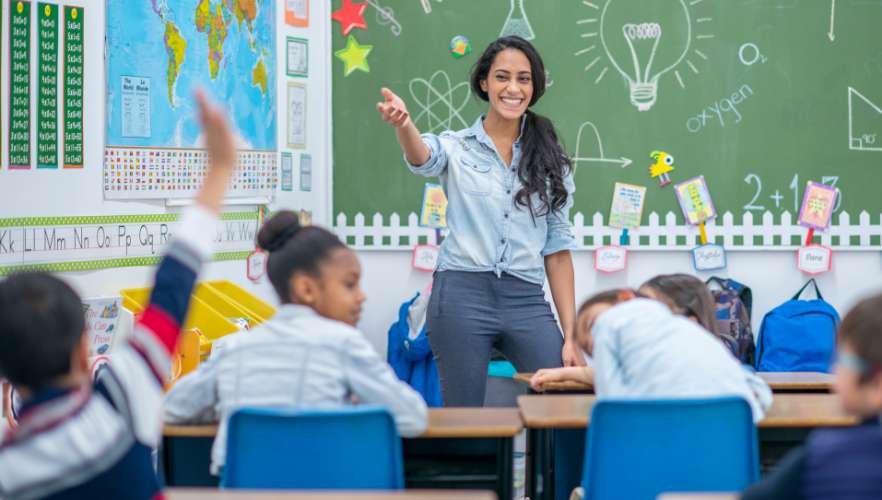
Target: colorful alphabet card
x=627 y=206
x=817 y=205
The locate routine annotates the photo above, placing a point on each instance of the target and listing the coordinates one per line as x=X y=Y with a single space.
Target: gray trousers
x=470 y=313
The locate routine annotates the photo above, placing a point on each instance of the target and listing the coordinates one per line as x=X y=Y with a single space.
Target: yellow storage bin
x=245 y=300
x=227 y=307
x=202 y=316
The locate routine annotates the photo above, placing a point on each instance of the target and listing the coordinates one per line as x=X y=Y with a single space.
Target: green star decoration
x=354 y=56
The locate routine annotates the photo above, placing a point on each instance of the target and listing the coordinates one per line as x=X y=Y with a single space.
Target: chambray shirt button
x=502 y=241
x=508 y=191
x=506 y=216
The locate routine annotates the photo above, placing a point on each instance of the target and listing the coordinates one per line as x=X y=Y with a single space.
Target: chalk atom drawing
x=598 y=157
x=644 y=40
x=864 y=123
x=439 y=103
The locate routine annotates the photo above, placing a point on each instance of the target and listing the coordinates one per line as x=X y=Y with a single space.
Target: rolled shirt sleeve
x=560 y=231
x=437 y=163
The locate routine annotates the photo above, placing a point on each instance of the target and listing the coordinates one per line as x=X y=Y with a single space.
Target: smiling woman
x=510 y=188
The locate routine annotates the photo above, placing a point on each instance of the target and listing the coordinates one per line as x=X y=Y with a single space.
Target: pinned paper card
x=425 y=257
x=814 y=259
x=434 y=210
x=255 y=265
x=305 y=218
x=817 y=205
x=627 y=206
x=102 y=323
x=610 y=259
x=695 y=200
x=708 y=257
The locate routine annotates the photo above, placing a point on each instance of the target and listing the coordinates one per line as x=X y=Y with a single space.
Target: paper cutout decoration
x=305 y=218
x=695 y=200
x=350 y=15
x=102 y=323
x=709 y=257
x=255 y=265
x=610 y=259
x=354 y=56
x=297 y=13
x=664 y=164
x=814 y=259
x=434 y=210
x=817 y=206
x=425 y=258
x=460 y=46
x=627 y=206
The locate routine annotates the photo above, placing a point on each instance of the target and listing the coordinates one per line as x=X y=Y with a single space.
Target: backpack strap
x=809 y=282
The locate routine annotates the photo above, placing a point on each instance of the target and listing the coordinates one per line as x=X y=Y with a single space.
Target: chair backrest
x=639 y=449
x=347 y=448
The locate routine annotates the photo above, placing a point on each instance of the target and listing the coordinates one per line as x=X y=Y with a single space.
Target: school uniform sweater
x=841 y=464
x=96 y=441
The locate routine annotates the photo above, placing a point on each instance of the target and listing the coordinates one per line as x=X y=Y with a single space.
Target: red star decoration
x=350 y=15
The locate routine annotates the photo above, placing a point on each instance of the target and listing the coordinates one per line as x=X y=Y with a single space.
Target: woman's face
x=509 y=84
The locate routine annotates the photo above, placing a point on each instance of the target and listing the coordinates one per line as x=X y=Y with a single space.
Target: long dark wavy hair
x=544 y=163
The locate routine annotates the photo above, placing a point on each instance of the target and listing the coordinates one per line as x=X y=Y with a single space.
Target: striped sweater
x=97 y=441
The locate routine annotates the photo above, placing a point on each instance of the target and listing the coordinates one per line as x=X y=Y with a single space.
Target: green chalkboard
x=759 y=96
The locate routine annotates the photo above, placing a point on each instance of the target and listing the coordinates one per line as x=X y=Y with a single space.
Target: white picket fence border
x=654 y=236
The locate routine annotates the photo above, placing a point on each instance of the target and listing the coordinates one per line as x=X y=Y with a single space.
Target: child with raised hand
x=309 y=355
x=841 y=462
x=76 y=439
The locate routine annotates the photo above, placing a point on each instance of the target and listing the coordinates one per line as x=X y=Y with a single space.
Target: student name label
x=425 y=257
x=708 y=257
x=610 y=259
x=814 y=259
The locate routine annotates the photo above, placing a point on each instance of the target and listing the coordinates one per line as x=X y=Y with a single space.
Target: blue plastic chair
x=639 y=449
x=350 y=448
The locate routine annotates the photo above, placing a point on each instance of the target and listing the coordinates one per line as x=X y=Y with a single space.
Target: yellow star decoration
x=354 y=56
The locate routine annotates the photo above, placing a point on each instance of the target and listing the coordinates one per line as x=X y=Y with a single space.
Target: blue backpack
x=798 y=336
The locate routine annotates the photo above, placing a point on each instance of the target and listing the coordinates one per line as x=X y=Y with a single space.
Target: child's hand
x=218 y=138
x=221 y=154
x=546 y=375
x=394 y=110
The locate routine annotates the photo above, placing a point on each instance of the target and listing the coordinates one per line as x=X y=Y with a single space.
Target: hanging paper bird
x=664 y=164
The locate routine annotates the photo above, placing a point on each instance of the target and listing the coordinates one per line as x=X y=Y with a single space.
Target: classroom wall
x=79 y=192
x=389 y=280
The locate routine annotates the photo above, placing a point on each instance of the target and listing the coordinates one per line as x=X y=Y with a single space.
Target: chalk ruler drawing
x=831 y=34
x=651 y=48
x=427 y=5
x=600 y=158
x=440 y=103
x=866 y=138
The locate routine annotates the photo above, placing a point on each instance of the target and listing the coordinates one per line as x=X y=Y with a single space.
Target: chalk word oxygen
x=725 y=110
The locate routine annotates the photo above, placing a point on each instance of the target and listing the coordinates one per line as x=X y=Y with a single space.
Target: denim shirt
x=488 y=231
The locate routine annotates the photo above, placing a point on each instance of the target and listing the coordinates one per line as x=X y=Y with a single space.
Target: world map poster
x=158 y=53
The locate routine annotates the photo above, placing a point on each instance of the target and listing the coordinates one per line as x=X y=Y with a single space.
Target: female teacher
x=510 y=188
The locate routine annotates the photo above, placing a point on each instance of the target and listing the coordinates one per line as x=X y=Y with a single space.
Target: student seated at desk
x=642 y=349
x=309 y=355
x=76 y=440
x=842 y=462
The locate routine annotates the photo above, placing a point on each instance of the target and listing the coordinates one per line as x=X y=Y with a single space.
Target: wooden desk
x=562 y=419
x=698 y=496
x=215 y=494
x=471 y=447
x=778 y=382
x=798 y=381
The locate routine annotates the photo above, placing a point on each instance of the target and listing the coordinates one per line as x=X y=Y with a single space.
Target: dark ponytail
x=544 y=163
x=293 y=249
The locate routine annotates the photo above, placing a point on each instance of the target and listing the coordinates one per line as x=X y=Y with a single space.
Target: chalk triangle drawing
x=864 y=123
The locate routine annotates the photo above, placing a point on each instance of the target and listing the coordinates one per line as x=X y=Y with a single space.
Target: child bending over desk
x=842 y=462
x=75 y=439
x=309 y=355
x=641 y=348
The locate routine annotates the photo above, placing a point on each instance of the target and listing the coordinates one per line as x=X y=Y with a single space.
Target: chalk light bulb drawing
x=643 y=40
